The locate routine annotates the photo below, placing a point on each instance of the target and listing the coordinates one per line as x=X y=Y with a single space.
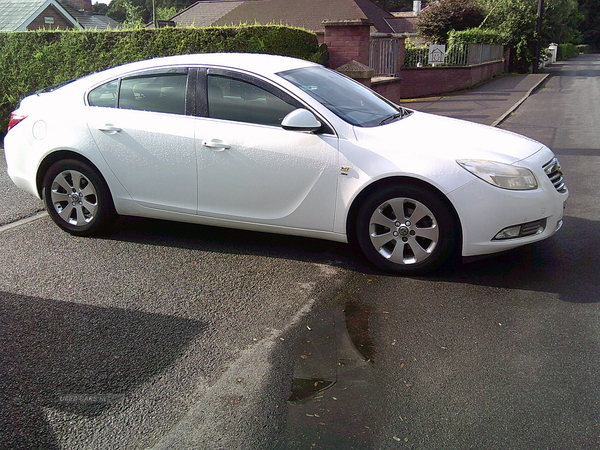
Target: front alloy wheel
x=406 y=230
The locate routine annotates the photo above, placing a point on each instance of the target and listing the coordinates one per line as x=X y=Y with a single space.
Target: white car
x=277 y=144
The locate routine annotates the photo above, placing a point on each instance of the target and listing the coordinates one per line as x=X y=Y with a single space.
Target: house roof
x=205 y=13
x=89 y=20
x=16 y=15
x=404 y=24
x=307 y=14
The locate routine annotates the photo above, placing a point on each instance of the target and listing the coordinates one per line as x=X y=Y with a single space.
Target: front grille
x=554 y=172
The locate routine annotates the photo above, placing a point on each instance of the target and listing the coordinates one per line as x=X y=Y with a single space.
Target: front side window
x=163 y=92
x=344 y=97
x=241 y=101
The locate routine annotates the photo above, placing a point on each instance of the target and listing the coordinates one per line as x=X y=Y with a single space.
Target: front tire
x=406 y=230
x=77 y=198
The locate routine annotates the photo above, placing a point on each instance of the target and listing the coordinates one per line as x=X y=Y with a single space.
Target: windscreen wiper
x=399 y=115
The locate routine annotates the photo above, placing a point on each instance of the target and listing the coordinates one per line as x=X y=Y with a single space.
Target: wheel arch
x=396 y=181
x=59 y=156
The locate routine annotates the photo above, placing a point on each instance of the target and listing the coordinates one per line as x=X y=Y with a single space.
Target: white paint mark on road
x=18 y=223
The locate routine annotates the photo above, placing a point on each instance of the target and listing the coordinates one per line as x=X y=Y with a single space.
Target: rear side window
x=105 y=95
x=163 y=92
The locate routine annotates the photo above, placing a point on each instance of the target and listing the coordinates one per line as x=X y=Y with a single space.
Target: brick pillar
x=401 y=53
x=347 y=40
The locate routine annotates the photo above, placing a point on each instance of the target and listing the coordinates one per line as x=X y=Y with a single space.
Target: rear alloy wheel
x=406 y=230
x=77 y=198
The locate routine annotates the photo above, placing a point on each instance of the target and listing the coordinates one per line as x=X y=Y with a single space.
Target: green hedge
x=34 y=60
x=567 y=51
x=477 y=36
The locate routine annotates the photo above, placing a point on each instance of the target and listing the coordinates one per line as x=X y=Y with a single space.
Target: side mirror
x=300 y=120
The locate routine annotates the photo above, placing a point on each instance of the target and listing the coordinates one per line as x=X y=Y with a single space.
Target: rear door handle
x=109 y=128
x=216 y=144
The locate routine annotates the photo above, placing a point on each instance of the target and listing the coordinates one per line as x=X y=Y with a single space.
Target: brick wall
x=390 y=88
x=50 y=11
x=348 y=40
x=421 y=81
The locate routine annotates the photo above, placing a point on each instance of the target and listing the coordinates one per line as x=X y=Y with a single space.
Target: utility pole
x=538 y=32
x=154 y=14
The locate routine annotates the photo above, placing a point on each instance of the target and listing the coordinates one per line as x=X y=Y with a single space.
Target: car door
x=249 y=168
x=141 y=126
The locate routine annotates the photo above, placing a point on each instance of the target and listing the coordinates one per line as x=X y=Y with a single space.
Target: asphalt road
x=174 y=336
x=501 y=353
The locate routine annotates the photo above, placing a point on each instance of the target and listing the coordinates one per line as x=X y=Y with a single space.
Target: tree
x=165 y=12
x=440 y=18
x=590 y=24
x=561 y=22
x=133 y=11
x=135 y=14
x=100 y=8
x=517 y=20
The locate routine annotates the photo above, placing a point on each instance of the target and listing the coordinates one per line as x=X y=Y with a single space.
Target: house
x=25 y=15
x=308 y=14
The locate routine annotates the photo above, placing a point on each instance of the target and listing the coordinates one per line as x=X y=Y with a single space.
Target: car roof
x=261 y=64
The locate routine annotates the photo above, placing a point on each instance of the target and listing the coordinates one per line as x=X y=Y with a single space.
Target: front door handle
x=216 y=144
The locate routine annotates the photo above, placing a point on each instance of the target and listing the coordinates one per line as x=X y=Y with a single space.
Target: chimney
x=82 y=4
x=416 y=7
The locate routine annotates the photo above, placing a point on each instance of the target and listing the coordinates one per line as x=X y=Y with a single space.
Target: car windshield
x=347 y=99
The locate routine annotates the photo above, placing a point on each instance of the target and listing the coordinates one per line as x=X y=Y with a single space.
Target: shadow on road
x=76 y=358
x=234 y=242
x=565 y=264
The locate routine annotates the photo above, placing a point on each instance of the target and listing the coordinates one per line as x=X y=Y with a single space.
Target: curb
x=520 y=102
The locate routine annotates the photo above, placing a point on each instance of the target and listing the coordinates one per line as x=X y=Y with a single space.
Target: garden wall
x=422 y=81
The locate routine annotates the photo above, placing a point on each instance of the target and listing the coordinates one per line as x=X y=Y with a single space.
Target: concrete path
x=489 y=103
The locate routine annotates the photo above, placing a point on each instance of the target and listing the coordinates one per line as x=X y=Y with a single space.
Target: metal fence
x=453 y=55
x=383 y=56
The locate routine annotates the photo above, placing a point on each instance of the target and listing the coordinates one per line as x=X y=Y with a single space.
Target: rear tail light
x=15 y=118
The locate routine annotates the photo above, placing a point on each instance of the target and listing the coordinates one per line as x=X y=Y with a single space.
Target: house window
x=49 y=20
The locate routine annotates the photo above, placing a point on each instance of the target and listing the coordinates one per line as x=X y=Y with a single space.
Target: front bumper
x=485 y=210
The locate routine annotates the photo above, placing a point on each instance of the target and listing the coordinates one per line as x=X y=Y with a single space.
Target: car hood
x=445 y=138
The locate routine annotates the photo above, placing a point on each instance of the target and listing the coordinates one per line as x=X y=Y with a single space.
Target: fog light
x=525 y=229
x=509 y=233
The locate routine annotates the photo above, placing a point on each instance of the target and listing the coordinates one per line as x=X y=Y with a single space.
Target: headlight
x=500 y=175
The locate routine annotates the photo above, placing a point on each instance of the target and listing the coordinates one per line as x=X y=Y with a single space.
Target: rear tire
x=77 y=198
x=406 y=230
